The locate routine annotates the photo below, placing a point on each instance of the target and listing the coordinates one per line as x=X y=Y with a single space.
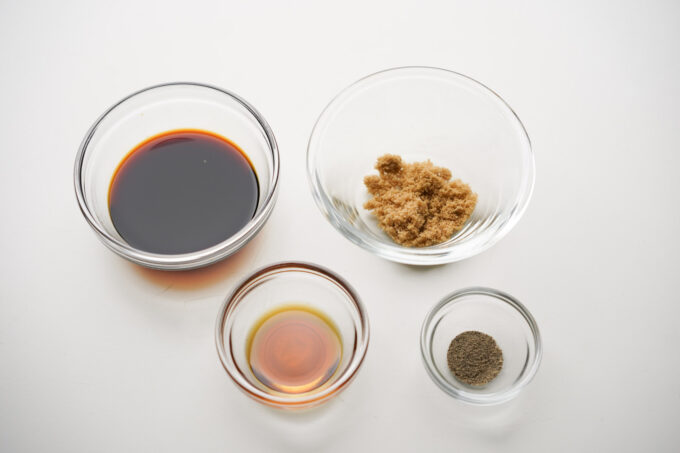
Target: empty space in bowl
x=420 y=114
x=162 y=109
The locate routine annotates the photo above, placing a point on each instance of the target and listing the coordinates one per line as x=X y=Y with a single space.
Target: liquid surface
x=294 y=349
x=182 y=191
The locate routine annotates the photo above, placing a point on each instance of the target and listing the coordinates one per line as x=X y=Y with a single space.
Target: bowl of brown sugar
x=420 y=165
x=480 y=345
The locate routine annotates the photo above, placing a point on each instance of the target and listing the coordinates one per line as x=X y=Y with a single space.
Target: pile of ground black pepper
x=474 y=358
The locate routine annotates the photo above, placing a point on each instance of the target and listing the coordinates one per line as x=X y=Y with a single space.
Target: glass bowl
x=421 y=113
x=164 y=108
x=491 y=312
x=276 y=286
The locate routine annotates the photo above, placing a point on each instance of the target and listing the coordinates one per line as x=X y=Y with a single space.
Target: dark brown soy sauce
x=182 y=191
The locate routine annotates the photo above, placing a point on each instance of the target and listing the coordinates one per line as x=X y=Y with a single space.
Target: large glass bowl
x=158 y=109
x=421 y=113
x=276 y=286
x=491 y=312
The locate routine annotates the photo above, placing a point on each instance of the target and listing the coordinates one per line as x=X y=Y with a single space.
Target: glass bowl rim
x=469 y=397
x=395 y=252
x=306 y=399
x=180 y=261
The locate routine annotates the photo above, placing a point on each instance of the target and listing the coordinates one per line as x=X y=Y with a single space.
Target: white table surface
x=99 y=355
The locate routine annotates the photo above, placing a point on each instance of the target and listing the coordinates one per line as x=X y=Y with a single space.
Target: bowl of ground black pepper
x=420 y=165
x=480 y=345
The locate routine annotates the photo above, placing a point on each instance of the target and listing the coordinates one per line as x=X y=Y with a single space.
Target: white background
x=99 y=355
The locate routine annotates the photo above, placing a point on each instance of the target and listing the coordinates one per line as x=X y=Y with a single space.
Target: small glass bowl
x=491 y=312
x=421 y=113
x=164 y=108
x=285 y=284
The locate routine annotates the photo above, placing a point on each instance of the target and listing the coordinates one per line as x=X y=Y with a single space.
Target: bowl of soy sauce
x=177 y=176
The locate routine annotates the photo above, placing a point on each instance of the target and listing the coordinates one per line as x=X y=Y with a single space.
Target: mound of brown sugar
x=416 y=204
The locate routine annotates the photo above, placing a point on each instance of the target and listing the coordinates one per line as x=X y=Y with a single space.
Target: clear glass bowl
x=421 y=113
x=164 y=108
x=491 y=312
x=284 y=284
